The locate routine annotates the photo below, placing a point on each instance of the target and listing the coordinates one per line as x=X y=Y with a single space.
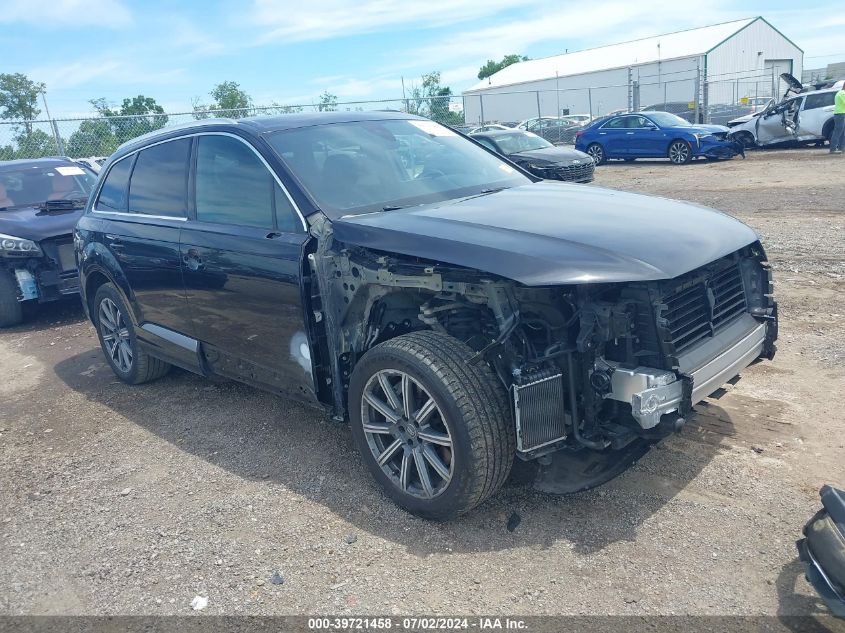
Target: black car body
x=40 y=203
x=455 y=309
x=822 y=550
x=537 y=155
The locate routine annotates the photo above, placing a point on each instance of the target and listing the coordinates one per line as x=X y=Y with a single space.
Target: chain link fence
x=100 y=136
x=685 y=93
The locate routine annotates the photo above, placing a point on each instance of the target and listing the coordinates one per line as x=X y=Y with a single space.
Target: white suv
x=806 y=118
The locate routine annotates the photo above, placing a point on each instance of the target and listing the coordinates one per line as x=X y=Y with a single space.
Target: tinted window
x=286 y=217
x=617 y=123
x=159 y=180
x=113 y=193
x=233 y=185
x=821 y=100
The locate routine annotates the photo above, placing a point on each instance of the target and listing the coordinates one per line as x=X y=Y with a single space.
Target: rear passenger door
x=614 y=137
x=141 y=227
x=241 y=255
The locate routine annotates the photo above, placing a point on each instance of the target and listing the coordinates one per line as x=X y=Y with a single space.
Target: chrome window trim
x=192 y=135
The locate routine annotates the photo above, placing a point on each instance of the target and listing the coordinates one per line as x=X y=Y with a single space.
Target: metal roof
x=677 y=45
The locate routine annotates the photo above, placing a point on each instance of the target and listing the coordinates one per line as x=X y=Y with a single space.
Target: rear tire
x=118 y=341
x=11 y=311
x=443 y=463
x=596 y=151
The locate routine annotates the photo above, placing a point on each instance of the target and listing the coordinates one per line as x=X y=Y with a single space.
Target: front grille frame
x=569 y=172
x=700 y=304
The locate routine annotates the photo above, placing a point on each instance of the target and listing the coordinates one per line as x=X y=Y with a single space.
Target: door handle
x=629 y=133
x=273 y=235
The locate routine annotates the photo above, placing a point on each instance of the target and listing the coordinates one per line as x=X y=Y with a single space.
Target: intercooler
x=538 y=408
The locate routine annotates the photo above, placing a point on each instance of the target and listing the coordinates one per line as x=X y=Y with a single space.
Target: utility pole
x=557 y=90
x=60 y=149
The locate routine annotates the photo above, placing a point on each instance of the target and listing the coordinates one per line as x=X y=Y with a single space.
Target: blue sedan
x=654 y=135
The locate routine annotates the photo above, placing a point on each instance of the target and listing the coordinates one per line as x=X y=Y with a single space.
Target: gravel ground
x=134 y=500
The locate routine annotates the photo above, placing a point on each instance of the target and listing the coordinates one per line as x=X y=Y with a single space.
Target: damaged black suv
x=457 y=311
x=40 y=202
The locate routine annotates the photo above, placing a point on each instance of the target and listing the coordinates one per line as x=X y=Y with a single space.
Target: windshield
x=33 y=185
x=365 y=166
x=666 y=119
x=520 y=142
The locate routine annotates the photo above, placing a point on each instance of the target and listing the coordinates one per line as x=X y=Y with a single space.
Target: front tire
x=596 y=151
x=434 y=430
x=680 y=152
x=118 y=341
x=11 y=311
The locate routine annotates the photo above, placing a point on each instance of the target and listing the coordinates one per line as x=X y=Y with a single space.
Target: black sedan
x=539 y=156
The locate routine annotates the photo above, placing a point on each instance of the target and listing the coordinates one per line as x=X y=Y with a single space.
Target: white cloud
x=63 y=77
x=340 y=18
x=66 y=13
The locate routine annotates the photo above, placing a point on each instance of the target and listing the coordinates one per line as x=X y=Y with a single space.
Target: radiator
x=538 y=409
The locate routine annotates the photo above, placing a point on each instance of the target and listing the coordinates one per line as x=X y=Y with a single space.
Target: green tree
x=19 y=99
x=94 y=137
x=136 y=116
x=432 y=100
x=328 y=102
x=35 y=144
x=227 y=96
x=492 y=67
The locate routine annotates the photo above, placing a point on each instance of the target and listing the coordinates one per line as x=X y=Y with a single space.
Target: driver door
x=778 y=125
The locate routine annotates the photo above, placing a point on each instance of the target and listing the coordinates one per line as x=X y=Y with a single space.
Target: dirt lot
x=118 y=499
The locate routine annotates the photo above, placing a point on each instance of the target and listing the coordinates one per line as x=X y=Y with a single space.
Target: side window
x=617 y=123
x=287 y=219
x=821 y=100
x=232 y=184
x=113 y=194
x=159 y=183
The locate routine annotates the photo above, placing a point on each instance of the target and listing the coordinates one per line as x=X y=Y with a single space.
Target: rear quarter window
x=113 y=193
x=819 y=100
x=159 y=183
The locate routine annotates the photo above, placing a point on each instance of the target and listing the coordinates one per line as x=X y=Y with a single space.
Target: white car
x=806 y=117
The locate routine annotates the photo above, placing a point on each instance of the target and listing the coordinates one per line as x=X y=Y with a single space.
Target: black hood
x=552 y=233
x=550 y=155
x=31 y=223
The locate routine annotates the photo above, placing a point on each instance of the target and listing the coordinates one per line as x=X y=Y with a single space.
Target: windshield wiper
x=392 y=208
x=493 y=190
x=62 y=205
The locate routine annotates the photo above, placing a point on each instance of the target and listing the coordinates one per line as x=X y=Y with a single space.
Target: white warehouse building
x=729 y=64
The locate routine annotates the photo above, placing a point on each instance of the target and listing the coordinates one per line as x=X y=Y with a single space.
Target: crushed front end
x=43 y=271
x=634 y=359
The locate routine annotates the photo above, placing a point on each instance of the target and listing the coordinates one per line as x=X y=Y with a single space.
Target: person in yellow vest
x=837 y=139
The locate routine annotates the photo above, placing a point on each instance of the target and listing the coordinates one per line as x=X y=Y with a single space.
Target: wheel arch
x=827 y=129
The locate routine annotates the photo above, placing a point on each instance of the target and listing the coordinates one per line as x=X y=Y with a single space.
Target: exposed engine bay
x=599 y=366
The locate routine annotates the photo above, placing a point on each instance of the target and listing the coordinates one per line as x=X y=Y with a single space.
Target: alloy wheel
x=596 y=153
x=407 y=434
x=679 y=153
x=115 y=335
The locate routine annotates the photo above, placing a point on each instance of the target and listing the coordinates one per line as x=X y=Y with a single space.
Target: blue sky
x=291 y=51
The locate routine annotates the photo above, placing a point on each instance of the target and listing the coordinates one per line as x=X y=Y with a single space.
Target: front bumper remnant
x=653 y=393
